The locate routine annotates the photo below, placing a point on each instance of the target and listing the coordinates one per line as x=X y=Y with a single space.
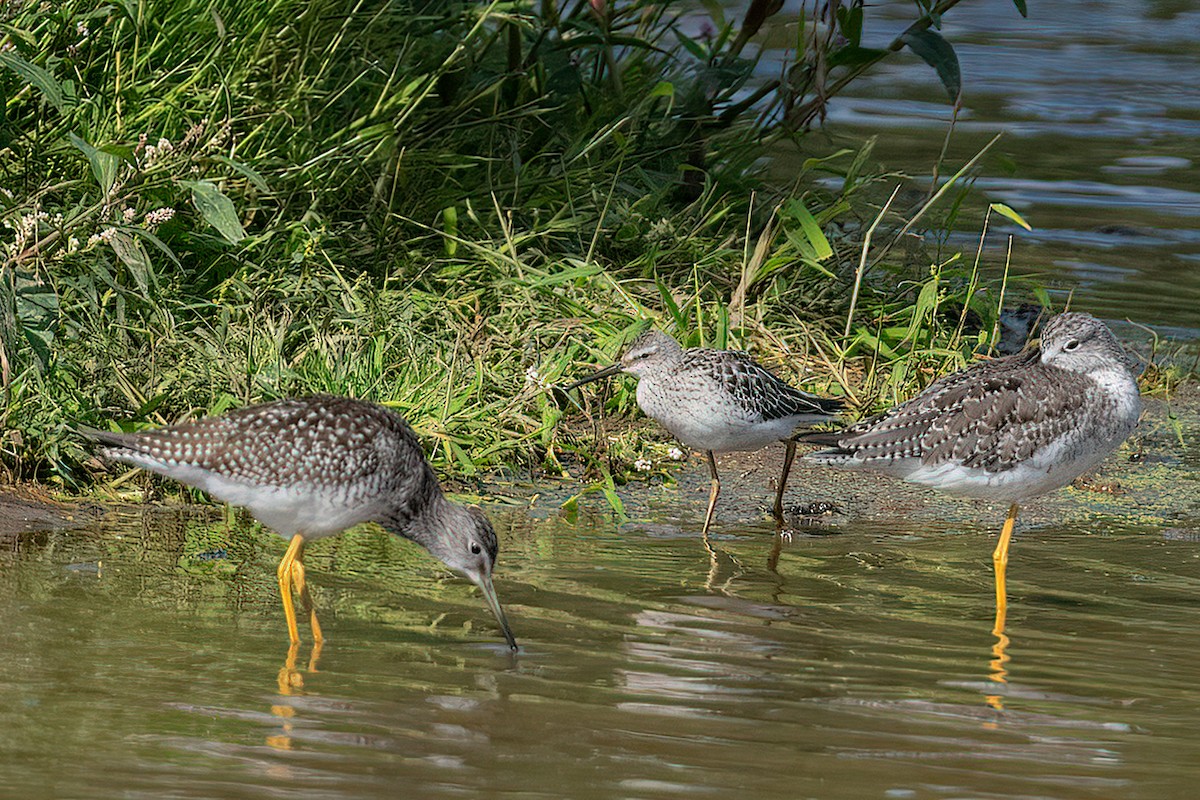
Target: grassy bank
x=441 y=206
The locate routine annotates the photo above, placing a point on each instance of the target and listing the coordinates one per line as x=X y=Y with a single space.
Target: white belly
x=709 y=420
x=287 y=511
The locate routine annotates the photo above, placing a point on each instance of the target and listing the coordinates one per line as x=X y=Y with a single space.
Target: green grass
x=443 y=206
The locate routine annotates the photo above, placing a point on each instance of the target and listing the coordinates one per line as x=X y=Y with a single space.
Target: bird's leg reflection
x=290 y=679
x=714 y=568
x=776 y=550
x=283 y=740
x=714 y=564
x=1000 y=656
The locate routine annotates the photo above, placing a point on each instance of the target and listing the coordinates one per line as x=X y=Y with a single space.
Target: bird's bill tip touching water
x=484 y=582
x=611 y=369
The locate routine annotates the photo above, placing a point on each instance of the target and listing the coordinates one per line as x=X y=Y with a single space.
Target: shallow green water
x=142 y=658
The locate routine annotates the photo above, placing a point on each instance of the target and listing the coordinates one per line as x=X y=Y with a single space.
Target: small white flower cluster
x=675 y=454
x=643 y=465
x=534 y=378
x=105 y=236
x=156 y=152
x=158 y=216
x=128 y=214
x=83 y=32
x=26 y=229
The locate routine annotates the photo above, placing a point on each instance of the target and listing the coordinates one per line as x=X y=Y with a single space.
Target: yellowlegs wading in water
x=312 y=467
x=1007 y=429
x=718 y=401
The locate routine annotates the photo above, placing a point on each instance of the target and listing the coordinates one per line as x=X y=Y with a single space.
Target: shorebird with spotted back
x=1008 y=429
x=718 y=401
x=312 y=467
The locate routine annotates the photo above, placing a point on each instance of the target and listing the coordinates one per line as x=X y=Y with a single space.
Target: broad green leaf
x=217 y=210
x=926 y=305
x=254 y=177
x=104 y=165
x=818 y=266
x=937 y=53
x=820 y=247
x=36 y=77
x=663 y=89
x=36 y=306
x=134 y=255
x=692 y=46
x=130 y=7
x=853 y=55
x=1005 y=211
x=850 y=21
x=668 y=300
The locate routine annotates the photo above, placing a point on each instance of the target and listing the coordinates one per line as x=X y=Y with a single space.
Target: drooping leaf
x=35 y=76
x=217 y=210
x=256 y=179
x=133 y=254
x=157 y=242
x=1020 y=4
x=1008 y=212
x=937 y=53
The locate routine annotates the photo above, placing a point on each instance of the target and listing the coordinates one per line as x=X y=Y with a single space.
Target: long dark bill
x=489 y=595
x=612 y=369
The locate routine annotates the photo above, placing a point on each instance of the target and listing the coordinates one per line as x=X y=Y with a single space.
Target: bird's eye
x=1071 y=346
x=475 y=548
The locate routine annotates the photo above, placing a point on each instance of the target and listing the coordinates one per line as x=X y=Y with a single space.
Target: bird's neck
x=416 y=515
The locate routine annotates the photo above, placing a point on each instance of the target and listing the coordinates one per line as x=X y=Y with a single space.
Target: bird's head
x=1081 y=343
x=467 y=543
x=650 y=351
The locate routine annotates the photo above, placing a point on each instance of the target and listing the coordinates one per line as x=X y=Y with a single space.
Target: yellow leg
x=305 y=599
x=712 y=495
x=787 y=468
x=1000 y=561
x=999 y=649
x=294 y=551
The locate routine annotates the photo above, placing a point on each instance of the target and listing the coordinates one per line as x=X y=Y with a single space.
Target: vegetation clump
x=443 y=206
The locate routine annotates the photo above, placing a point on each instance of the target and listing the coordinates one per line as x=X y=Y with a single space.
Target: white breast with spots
x=702 y=415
